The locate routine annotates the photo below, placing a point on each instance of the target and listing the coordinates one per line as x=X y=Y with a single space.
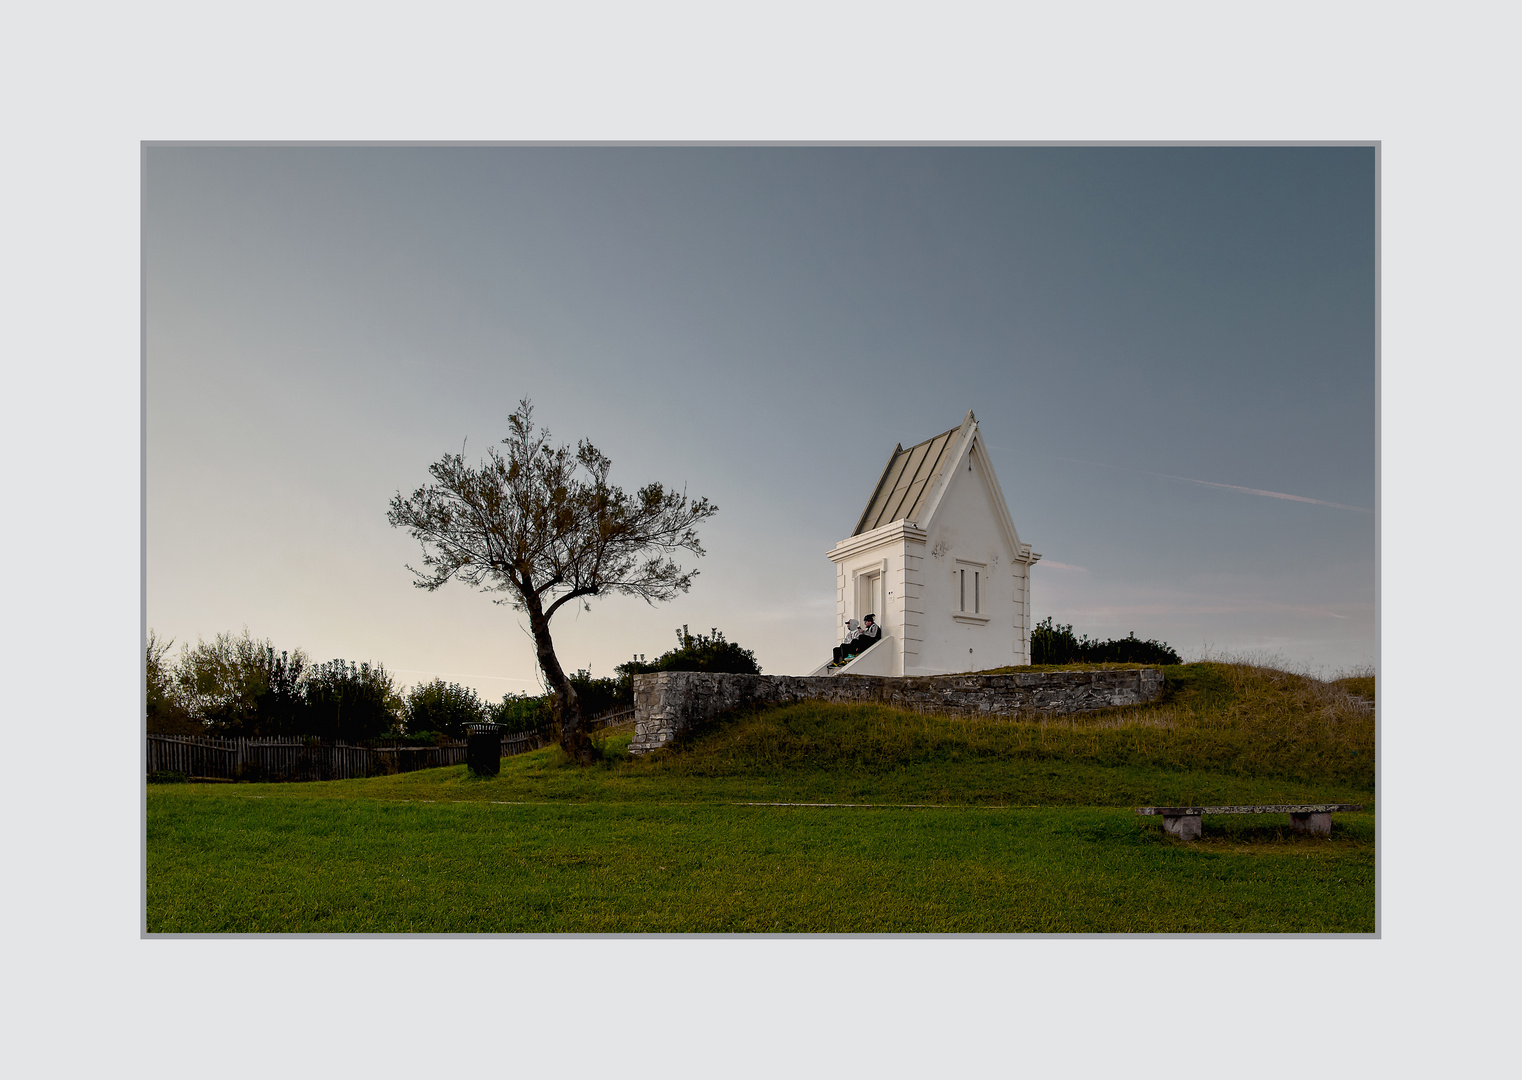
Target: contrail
x=1208 y=483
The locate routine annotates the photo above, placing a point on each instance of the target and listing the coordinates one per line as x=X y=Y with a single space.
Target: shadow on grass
x=1250 y=832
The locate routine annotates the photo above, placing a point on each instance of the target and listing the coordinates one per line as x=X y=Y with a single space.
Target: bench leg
x=1183 y=826
x=1311 y=824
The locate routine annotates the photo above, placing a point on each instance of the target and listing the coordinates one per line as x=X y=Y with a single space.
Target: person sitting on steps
x=857 y=643
x=848 y=645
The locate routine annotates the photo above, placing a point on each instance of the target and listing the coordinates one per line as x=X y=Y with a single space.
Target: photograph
x=833 y=539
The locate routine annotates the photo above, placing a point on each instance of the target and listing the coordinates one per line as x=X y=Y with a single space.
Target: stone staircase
x=875 y=651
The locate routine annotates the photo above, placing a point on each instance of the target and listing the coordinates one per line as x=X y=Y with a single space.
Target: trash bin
x=483 y=749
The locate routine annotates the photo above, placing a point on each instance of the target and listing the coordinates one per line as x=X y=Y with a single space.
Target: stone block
x=1183 y=826
x=1311 y=824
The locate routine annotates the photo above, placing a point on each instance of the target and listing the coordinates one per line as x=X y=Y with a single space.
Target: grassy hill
x=1245 y=729
x=966 y=824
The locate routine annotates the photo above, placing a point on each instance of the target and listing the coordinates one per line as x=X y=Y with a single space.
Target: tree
x=241 y=686
x=220 y=683
x=345 y=700
x=166 y=714
x=442 y=707
x=541 y=524
x=281 y=707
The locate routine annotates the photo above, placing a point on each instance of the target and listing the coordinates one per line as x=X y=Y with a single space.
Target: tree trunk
x=566 y=710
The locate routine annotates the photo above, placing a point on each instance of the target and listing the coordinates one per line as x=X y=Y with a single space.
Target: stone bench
x=1311 y=819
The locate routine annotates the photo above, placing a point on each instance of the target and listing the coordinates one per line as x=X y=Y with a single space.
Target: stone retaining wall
x=666 y=703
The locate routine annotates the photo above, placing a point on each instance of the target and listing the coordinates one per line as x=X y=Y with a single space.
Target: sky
x=1171 y=352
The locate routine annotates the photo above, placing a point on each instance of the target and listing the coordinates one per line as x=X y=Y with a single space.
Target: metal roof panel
x=870 y=516
x=905 y=480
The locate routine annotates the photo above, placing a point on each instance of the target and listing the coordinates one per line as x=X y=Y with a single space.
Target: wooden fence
x=287 y=758
x=212 y=758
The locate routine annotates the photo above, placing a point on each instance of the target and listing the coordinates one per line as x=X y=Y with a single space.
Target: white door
x=869 y=597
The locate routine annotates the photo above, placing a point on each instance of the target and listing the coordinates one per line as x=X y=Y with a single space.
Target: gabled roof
x=909 y=479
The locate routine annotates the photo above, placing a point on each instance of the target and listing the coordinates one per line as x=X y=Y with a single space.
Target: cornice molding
x=902 y=529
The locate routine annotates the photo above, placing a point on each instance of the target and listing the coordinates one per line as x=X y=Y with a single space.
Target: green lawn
x=221 y=859
x=1028 y=827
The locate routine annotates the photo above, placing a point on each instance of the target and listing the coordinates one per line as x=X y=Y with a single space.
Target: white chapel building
x=936 y=560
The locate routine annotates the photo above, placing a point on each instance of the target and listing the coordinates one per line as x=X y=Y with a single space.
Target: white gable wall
x=968 y=544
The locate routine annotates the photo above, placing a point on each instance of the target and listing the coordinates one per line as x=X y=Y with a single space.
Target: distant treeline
x=1054 y=643
x=235 y=686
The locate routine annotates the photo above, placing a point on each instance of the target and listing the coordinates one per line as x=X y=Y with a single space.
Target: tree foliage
x=223 y=684
x=541 y=525
x=165 y=713
x=442 y=707
x=522 y=712
x=350 y=701
x=1054 y=643
x=241 y=686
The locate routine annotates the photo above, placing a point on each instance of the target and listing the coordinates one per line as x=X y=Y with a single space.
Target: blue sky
x=1149 y=336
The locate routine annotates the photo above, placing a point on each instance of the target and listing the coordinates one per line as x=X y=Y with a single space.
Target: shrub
x=412 y=738
x=443 y=707
x=698 y=652
x=1054 y=643
x=600 y=696
x=525 y=712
